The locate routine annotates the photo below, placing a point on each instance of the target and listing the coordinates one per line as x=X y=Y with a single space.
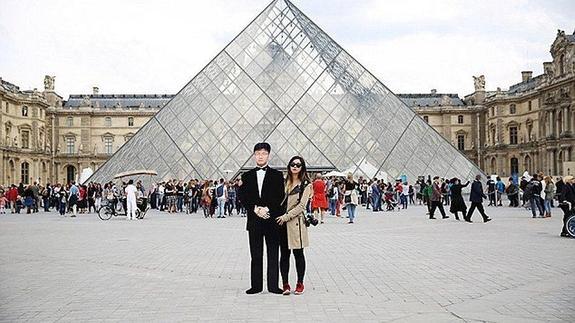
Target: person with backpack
x=500 y=189
x=533 y=194
x=512 y=193
x=221 y=196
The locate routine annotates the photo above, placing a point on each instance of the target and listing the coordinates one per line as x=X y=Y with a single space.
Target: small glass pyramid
x=284 y=81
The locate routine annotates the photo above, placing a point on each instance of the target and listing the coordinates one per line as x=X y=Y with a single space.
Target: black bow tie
x=262 y=168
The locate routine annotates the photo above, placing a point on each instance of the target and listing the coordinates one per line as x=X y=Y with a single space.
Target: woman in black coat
x=457 y=202
x=567 y=195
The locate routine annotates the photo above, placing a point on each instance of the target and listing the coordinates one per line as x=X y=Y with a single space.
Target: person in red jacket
x=319 y=198
x=11 y=196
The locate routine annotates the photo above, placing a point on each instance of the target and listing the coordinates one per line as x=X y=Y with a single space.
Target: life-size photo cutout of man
x=262 y=192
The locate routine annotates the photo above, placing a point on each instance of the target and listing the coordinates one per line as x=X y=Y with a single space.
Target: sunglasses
x=297 y=165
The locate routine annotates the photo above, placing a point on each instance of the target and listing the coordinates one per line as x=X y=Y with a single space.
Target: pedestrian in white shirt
x=131 y=200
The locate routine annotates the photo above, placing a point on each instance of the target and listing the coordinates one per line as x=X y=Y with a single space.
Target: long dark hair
x=303 y=175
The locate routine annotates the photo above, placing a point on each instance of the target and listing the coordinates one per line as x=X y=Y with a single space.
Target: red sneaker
x=299 y=289
x=287 y=289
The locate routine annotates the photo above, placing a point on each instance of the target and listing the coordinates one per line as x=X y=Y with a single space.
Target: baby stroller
x=390 y=202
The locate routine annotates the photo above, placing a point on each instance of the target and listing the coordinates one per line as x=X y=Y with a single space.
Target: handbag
x=347 y=199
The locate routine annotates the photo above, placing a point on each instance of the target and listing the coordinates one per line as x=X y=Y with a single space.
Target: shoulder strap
x=303 y=185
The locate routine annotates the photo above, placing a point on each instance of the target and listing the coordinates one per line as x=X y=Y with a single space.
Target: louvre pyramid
x=284 y=81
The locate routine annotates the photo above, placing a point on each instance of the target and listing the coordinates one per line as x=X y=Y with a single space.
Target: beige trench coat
x=295 y=219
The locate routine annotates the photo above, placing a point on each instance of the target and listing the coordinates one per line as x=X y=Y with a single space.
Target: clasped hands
x=262 y=211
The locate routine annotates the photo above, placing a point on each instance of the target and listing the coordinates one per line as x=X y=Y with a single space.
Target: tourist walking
x=436 y=199
x=457 y=202
x=476 y=197
x=293 y=227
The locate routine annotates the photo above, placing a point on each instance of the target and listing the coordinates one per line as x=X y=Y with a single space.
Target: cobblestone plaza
x=387 y=267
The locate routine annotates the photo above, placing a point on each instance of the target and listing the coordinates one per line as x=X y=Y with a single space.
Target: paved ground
x=386 y=267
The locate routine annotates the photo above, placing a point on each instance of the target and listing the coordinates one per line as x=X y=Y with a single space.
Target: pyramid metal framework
x=284 y=81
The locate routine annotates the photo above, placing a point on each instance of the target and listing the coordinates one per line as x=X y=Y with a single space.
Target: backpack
x=528 y=191
x=220 y=191
x=331 y=192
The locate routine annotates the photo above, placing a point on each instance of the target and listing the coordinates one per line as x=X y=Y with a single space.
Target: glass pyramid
x=284 y=81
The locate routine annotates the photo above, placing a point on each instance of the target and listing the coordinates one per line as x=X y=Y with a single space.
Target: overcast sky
x=412 y=46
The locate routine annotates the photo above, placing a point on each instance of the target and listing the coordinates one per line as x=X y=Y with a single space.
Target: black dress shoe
x=432 y=218
x=253 y=291
x=468 y=220
x=276 y=291
x=486 y=220
x=445 y=217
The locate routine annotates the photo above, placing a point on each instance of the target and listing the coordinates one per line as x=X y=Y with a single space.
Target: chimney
x=526 y=75
x=433 y=91
x=95 y=90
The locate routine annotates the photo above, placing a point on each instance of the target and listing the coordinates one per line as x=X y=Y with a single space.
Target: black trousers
x=285 y=257
x=434 y=205
x=479 y=206
x=256 y=237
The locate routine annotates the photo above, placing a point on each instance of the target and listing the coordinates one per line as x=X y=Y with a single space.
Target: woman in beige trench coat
x=293 y=229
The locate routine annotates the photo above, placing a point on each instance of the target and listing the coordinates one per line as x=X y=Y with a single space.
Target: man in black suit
x=476 y=197
x=262 y=192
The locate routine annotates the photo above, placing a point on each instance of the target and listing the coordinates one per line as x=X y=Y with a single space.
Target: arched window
x=25 y=173
x=108 y=121
x=513 y=135
x=69 y=122
x=426 y=119
x=25 y=134
x=70 y=145
x=460 y=119
x=24 y=111
x=514 y=166
x=493 y=165
x=461 y=142
x=70 y=173
x=108 y=145
x=130 y=121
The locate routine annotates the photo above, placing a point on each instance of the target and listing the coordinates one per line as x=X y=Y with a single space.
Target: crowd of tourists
x=219 y=198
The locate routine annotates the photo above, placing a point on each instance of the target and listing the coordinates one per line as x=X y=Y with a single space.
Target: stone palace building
x=529 y=127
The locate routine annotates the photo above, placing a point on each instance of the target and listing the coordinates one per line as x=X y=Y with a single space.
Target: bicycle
x=113 y=208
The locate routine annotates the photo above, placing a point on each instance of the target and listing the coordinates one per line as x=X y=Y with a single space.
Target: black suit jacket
x=477 y=194
x=273 y=193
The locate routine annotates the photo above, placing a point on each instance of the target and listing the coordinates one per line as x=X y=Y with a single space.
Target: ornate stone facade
x=528 y=127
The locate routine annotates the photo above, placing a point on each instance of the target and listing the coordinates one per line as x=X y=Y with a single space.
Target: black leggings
x=285 y=257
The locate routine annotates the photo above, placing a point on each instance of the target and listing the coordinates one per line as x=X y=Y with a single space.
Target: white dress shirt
x=261 y=175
